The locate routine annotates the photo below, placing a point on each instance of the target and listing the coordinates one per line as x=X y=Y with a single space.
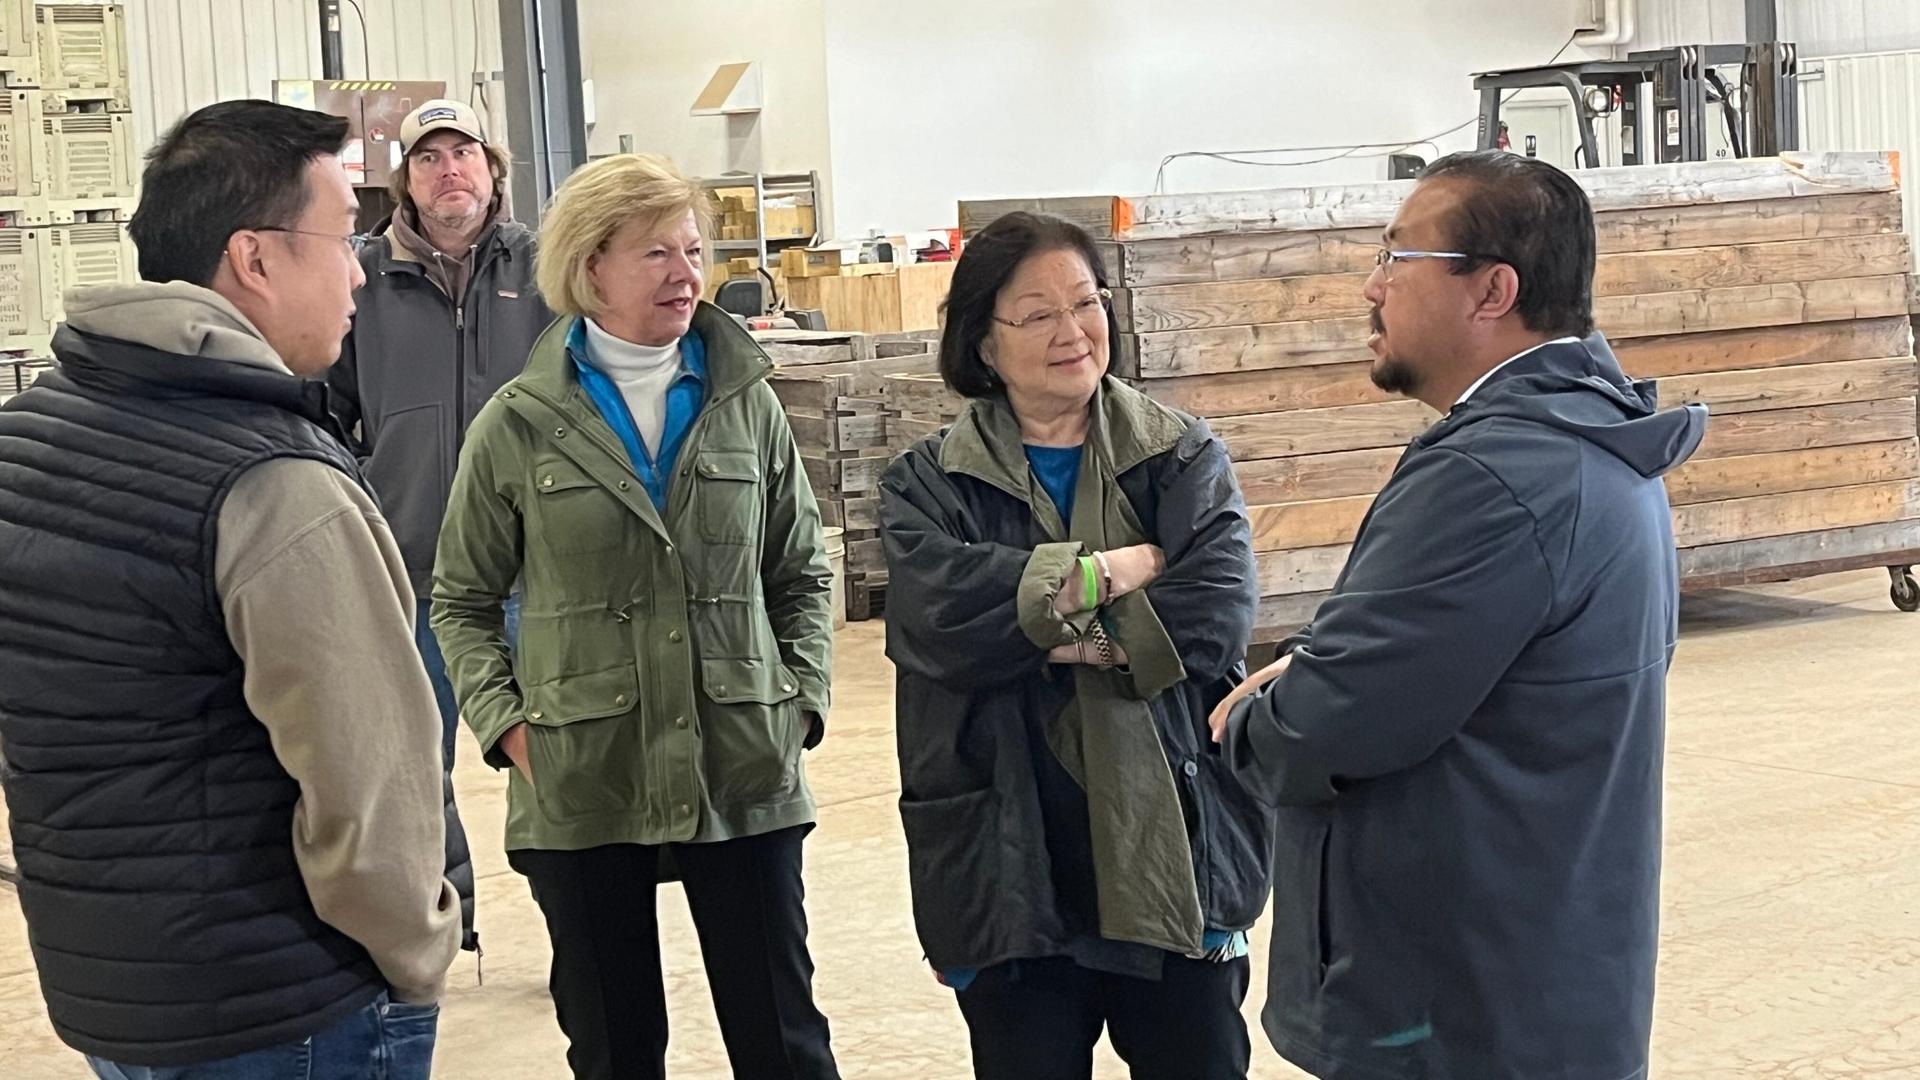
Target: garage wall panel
x=188 y=53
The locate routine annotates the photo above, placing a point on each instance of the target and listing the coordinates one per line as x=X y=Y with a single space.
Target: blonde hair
x=598 y=201
x=400 y=184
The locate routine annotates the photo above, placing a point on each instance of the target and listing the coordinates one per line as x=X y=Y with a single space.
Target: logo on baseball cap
x=440 y=115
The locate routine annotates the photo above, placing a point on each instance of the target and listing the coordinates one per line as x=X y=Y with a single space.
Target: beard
x=1394 y=376
x=1390 y=373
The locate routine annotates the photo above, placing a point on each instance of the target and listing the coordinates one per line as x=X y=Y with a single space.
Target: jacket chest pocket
x=727 y=496
x=573 y=512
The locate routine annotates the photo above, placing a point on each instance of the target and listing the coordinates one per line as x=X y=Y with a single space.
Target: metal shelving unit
x=769 y=186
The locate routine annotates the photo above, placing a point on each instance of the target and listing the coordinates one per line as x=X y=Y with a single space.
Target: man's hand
x=514 y=745
x=1218 y=719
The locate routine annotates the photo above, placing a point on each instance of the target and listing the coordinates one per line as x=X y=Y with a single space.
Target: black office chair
x=745 y=297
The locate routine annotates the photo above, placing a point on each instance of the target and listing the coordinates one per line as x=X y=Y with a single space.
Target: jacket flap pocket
x=584 y=697
x=730 y=681
x=730 y=465
x=558 y=474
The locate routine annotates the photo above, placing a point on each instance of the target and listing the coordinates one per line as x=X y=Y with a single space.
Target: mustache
x=1373 y=320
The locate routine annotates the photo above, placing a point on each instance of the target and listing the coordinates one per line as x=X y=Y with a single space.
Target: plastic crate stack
x=68 y=168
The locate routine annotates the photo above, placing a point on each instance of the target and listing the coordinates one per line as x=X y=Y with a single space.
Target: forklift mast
x=1764 y=121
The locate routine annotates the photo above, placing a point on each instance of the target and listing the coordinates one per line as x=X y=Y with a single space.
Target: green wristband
x=1092 y=582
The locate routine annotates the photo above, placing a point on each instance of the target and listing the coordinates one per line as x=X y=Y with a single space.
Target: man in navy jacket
x=1465 y=745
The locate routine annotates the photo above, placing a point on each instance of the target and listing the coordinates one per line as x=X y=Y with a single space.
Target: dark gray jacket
x=1469 y=741
x=417 y=367
x=997 y=832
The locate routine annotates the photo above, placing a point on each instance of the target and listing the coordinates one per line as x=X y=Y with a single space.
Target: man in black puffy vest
x=219 y=747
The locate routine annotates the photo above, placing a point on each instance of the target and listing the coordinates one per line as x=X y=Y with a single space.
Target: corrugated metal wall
x=1820 y=27
x=189 y=53
x=1866 y=102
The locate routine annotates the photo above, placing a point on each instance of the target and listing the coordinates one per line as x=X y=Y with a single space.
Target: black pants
x=1040 y=1019
x=607 y=986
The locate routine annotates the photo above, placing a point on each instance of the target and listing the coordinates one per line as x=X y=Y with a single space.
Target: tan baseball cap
x=440 y=114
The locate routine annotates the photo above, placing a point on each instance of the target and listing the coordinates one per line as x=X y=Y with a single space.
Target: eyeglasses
x=1089 y=311
x=352 y=240
x=1385 y=258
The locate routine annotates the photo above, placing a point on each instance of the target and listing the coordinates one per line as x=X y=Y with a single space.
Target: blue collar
x=693 y=352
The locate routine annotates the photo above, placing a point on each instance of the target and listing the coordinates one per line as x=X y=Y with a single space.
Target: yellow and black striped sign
x=359 y=85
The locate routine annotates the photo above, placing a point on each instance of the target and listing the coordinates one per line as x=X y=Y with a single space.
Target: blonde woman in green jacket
x=640 y=481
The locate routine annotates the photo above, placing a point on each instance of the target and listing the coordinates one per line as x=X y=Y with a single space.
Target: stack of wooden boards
x=834 y=388
x=1774 y=290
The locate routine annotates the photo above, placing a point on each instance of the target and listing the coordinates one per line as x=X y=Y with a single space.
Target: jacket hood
x=174 y=317
x=1579 y=388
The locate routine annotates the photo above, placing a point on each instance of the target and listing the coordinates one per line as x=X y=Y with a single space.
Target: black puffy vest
x=151 y=819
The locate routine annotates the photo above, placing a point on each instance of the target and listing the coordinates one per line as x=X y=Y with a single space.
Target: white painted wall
x=648 y=63
x=184 y=54
x=935 y=102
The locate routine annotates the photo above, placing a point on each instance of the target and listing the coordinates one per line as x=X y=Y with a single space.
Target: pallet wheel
x=1905 y=591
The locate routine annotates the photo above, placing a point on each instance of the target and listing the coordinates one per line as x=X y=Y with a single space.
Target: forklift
x=1753 y=88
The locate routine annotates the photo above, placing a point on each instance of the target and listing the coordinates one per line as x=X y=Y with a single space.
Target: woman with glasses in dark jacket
x=1072 y=590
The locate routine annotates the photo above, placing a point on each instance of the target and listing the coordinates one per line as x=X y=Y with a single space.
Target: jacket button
x=685 y=809
x=719 y=690
x=510 y=393
x=785 y=689
x=1191 y=769
x=679 y=721
x=560 y=433
x=673 y=635
x=624 y=485
x=546 y=481
x=669 y=549
x=707 y=468
x=620 y=700
x=536 y=716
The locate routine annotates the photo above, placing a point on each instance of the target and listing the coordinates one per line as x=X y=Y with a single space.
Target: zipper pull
x=459 y=317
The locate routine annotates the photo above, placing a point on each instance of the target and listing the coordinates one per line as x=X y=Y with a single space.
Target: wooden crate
x=1776 y=291
x=882 y=303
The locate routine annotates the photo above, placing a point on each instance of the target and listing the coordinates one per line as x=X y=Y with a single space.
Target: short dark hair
x=985 y=266
x=1530 y=215
x=230 y=166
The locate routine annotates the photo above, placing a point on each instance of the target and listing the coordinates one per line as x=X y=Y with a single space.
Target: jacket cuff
x=814 y=696
x=1041 y=581
x=489 y=730
x=1151 y=653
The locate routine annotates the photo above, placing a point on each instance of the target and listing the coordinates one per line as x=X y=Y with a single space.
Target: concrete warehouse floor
x=1791 y=946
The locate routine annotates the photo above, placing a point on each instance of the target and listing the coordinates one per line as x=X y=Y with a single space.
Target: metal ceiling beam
x=331 y=64
x=546 y=112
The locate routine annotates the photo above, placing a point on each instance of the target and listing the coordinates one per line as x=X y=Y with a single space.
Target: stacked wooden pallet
x=918 y=406
x=833 y=387
x=1774 y=290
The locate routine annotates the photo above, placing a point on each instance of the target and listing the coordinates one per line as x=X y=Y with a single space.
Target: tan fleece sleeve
x=319 y=608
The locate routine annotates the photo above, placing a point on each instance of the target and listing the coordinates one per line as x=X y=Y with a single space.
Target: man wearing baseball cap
x=448 y=315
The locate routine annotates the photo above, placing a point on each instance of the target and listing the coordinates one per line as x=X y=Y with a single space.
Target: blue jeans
x=386 y=1040
x=429 y=647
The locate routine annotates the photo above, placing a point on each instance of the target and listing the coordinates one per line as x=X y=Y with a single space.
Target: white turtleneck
x=643 y=373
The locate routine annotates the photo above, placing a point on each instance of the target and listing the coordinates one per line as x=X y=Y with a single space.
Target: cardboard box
x=810 y=262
